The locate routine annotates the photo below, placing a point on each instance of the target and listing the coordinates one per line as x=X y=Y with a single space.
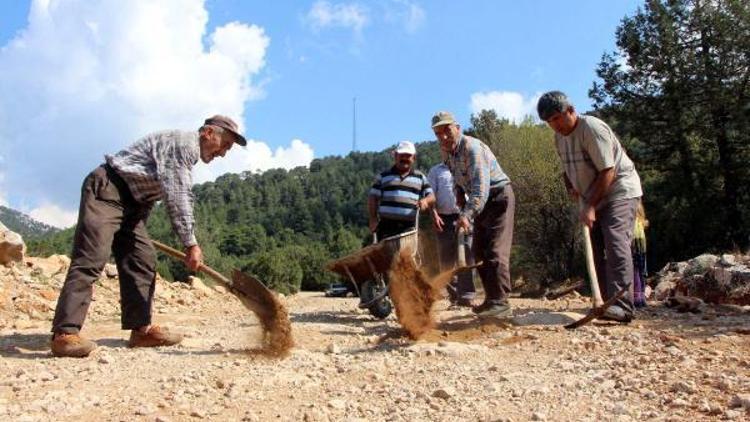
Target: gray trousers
x=109 y=221
x=462 y=286
x=493 y=237
x=611 y=237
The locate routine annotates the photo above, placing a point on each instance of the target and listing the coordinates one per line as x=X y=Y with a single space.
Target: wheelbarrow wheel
x=380 y=309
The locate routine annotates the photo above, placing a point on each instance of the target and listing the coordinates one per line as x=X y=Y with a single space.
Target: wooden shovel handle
x=202 y=268
x=591 y=267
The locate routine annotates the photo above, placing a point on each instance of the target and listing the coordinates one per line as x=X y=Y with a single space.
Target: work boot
x=492 y=309
x=71 y=345
x=461 y=303
x=616 y=313
x=155 y=336
x=464 y=302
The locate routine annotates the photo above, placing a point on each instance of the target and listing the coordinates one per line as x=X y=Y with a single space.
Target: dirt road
x=347 y=366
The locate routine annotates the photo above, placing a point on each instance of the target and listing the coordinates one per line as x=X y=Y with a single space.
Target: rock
x=444 y=393
x=12 y=247
x=728 y=260
x=110 y=270
x=620 y=409
x=546 y=318
x=733 y=414
x=684 y=304
x=673 y=350
x=145 y=410
x=700 y=264
x=198 y=284
x=221 y=289
x=664 y=288
x=740 y=400
x=337 y=404
x=682 y=387
x=679 y=403
x=333 y=349
x=198 y=413
x=538 y=416
x=314 y=415
x=49 y=267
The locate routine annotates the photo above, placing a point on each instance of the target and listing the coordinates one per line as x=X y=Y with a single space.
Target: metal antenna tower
x=354 y=124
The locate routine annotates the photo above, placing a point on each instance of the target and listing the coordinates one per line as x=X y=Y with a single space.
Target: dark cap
x=442 y=118
x=226 y=123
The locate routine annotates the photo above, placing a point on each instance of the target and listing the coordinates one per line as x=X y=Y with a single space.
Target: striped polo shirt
x=398 y=195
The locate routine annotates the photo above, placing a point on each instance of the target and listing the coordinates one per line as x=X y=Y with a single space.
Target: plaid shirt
x=475 y=170
x=158 y=166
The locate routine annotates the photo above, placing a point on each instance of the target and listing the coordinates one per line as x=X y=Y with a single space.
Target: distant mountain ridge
x=24 y=225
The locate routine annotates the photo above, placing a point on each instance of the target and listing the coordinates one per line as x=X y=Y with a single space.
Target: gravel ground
x=348 y=366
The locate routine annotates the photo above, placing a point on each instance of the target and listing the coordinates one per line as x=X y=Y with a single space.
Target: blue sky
x=87 y=77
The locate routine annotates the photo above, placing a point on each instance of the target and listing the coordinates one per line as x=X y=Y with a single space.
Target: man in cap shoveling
x=490 y=203
x=116 y=199
x=599 y=174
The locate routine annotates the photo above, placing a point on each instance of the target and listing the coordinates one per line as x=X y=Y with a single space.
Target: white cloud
x=257 y=156
x=323 y=14
x=86 y=78
x=507 y=104
x=54 y=215
x=406 y=13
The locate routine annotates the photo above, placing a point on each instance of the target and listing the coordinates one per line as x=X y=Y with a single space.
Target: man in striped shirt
x=397 y=194
x=116 y=199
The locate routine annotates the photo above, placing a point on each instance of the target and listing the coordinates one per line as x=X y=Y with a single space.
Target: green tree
x=677 y=91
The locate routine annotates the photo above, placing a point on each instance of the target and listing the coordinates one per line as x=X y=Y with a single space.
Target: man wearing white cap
x=398 y=193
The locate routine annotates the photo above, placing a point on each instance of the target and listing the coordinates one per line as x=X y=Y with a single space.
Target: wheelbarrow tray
x=360 y=265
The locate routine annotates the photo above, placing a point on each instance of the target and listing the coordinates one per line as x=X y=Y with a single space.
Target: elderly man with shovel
x=599 y=174
x=490 y=203
x=116 y=199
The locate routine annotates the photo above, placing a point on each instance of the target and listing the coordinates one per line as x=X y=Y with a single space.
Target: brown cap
x=442 y=118
x=226 y=123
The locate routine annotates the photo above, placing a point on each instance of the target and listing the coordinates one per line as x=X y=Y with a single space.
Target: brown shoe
x=71 y=345
x=155 y=336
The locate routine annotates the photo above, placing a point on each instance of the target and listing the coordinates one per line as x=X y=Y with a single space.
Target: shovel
x=251 y=292
x=599 y=306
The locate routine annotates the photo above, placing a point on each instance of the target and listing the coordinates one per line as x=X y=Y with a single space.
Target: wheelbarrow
x=367 y=270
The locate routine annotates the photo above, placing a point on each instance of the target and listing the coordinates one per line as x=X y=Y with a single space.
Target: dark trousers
x=611 y=237
x=493 y=237
x=388 y=228
x=462 y=286
x=109 y=220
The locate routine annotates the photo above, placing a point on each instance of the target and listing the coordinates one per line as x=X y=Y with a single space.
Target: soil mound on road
x=413 y=294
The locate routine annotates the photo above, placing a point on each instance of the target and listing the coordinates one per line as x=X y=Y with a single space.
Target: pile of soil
x=277 y=331
x=276 y=337
x=413 y=294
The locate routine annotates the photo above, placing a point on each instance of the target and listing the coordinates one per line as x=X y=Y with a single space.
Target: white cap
x=406 y=147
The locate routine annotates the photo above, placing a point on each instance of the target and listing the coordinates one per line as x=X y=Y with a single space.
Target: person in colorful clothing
x=490 y=203
x=600 y=175
x=640 y=271
x=461 y=290
x=116 y=200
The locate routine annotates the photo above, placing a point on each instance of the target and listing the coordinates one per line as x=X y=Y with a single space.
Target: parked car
x=340 y=290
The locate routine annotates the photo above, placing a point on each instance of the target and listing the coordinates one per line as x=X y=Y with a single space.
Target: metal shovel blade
x=596 y=312
x=253 y=294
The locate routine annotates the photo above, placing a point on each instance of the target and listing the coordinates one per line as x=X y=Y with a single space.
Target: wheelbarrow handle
x=202 y=268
